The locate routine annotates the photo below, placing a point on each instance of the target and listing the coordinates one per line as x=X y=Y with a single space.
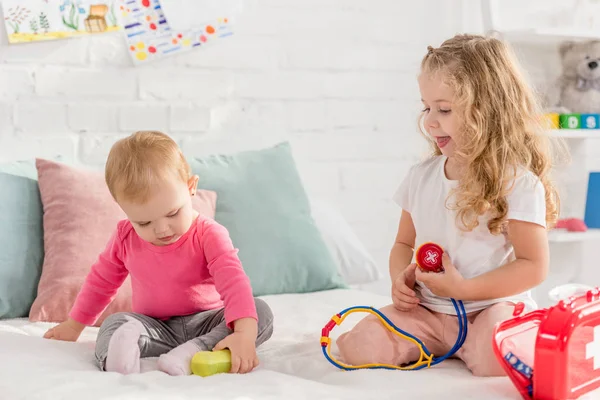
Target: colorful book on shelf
x=572 y=121
x=592 y=204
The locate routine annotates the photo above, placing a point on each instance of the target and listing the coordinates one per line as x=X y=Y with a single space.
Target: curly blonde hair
x=502 y=128
x=136 y=163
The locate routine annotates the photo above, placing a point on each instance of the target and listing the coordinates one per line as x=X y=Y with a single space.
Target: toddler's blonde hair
x=139 y=161
x=501 y=130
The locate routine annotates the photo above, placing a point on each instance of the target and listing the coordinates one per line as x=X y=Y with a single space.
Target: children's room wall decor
x=40 y=20
x=150 y=36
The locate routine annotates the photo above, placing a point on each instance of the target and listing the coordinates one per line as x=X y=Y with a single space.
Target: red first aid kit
x=553 y=353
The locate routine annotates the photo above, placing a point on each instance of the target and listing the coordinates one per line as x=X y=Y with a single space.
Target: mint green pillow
x=21 y=238
x=263 y=204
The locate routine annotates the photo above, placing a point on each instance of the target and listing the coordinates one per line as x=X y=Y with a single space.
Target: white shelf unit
x=567 y=260
x=575 y=133
x=560 y=235
x=545 y=36
x=568 y=263
x=489 y=14
x=564 y=236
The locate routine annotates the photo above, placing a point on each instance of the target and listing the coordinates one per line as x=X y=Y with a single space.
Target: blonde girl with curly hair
x=484 y=196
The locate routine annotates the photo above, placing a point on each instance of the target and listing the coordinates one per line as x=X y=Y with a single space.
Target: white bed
x=292 y=365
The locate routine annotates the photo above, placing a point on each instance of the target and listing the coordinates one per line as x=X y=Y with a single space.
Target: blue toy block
x=590 y=121
x=592 y=204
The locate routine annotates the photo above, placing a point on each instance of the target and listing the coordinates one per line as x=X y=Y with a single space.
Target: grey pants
x=206 y=329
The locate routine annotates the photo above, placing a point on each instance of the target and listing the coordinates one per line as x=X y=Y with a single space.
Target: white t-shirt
x=423 y=194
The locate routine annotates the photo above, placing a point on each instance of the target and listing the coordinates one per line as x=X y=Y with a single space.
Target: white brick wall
x=335 y=77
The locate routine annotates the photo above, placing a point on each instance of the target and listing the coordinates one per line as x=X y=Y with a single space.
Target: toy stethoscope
x=428 y=257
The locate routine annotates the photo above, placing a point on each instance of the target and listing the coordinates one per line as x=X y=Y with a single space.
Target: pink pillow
x=79 y=217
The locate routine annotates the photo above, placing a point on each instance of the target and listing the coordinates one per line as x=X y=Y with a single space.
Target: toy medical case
x=553 y=353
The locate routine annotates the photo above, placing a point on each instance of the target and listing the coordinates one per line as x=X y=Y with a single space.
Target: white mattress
x=292 y=365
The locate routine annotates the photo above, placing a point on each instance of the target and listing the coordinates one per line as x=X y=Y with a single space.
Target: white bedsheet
x=292 y=365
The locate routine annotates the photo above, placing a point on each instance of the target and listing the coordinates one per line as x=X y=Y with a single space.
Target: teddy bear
x=577 y=89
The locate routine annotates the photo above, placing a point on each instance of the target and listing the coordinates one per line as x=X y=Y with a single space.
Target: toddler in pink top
x=189 y=290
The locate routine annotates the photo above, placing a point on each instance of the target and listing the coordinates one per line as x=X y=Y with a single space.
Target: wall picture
x=39 y=20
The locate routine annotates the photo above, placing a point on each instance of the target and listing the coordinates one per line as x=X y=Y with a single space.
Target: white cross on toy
x=431 y=257
x=592 y=349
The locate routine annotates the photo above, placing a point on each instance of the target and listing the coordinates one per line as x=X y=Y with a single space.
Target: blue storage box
x=592 y=204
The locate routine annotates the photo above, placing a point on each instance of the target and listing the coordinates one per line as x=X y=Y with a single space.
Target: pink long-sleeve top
x=199 y=272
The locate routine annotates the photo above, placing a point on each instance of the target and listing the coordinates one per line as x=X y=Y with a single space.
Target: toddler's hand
x=445 y=284
x=403 y=295
x=242 y=346
x=69 y=331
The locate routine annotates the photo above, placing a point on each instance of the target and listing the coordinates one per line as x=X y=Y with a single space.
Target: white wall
x=335 y=77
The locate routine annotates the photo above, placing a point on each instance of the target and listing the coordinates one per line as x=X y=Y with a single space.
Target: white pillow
x=354 y=262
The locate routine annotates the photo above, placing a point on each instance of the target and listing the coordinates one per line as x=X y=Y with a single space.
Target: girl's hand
x=69 y=331
x=403 y=294
x=444 y=284
x=243 y=351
